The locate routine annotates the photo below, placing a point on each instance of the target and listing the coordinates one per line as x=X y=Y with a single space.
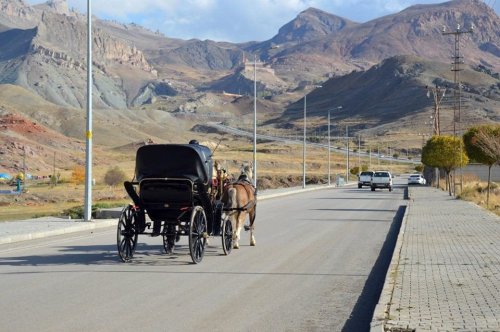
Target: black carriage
x=173 y=195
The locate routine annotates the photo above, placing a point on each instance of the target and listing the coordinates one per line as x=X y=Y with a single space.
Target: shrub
x=419 y=168
x=114 y=176
x=78 y=175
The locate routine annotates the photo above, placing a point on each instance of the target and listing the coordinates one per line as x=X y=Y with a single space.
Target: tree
x=419 y=168
x=445 y=152
x=482 y=144
x=114 y=176
x=78 y=175
x=354 y=170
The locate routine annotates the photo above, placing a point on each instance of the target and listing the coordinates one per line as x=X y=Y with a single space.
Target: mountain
x=416 y=30
x=46 y=53
x=309 y=25
x=392 y=96
x=45 y=50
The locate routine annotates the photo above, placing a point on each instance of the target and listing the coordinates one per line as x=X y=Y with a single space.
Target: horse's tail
x=232 y=203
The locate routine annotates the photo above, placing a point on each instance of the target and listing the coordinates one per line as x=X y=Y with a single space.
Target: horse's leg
x=240 y=222
x=251 y=215
x=236 y=233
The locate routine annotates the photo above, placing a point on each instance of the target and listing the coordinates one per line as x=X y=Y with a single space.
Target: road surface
x=319 y=265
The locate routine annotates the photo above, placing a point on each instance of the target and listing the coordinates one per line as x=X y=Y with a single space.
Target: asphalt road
x=319 y=265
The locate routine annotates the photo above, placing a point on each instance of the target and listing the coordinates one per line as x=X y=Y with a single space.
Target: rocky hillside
x=372 y=100
x=48 y=56
x=416 y=30
x=45 y=49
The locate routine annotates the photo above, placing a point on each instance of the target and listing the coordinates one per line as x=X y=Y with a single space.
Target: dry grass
x=475 y=191
x=277 y=166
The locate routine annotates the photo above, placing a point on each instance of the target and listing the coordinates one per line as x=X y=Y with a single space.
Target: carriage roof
x=191 y=161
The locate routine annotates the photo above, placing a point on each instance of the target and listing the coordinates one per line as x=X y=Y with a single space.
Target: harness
x=245 y=184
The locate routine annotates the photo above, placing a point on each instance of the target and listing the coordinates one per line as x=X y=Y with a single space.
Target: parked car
x=365 y=178
x=381 y=179
x=416 y=179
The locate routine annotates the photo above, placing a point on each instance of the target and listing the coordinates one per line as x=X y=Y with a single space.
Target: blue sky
x=234 y=20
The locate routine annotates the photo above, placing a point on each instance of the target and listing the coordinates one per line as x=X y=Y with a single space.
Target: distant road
x=243 y=133
x=319 y=265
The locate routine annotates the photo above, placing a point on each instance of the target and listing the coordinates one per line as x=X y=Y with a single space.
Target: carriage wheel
x=197 y=234
x=227 y=235
x=126 y=237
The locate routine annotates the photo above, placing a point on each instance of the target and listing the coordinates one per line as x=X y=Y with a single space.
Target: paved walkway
x=445 y=271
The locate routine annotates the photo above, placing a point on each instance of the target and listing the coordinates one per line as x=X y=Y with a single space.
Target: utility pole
x=359 y=152
x=457 y=105
x=457 y=60
x=304 y=145
x=347 y=163
x=329 y=148
x=254 y=120
x=87 y=208
x=24 y=167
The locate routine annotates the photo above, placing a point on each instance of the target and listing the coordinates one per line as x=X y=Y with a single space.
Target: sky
x=234 y=20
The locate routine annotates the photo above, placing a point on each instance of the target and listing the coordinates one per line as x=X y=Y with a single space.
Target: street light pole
x=347 y=163
x=329 y=145
x=255 y=120
x=329 y=172
x=304 y=146
x=87 y=211
x=304 y=143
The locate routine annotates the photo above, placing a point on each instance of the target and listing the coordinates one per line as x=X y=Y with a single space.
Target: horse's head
x=247 y=170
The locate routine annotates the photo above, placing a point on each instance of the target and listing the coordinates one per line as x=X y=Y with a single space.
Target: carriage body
x=172 y=191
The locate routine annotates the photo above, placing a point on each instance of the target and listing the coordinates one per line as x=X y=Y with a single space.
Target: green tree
x=445 y=152
x=419 y=168
x=354 y=170
x=482 y=144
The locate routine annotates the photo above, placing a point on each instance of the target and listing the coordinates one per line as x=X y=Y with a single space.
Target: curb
x=77 y=226
x=382 y=309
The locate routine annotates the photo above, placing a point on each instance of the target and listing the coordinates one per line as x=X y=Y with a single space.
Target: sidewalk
x=445 y=270
x=23 y=230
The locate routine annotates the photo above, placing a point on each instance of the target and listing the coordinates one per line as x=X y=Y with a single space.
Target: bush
x=78 y=175
x=76 y=212
x=114 y=176
x=419 y=168
x=354 y=170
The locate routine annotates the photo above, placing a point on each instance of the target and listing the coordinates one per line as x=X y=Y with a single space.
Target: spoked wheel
x=197 y=234
x=169 y=240
x=227 y=235
x=126 y=237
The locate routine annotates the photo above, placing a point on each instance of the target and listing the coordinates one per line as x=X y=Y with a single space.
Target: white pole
x=88 y=151
x=304 y=147
x=329 y=172
x=347 y=163
x=255 y=120
x=359 y=152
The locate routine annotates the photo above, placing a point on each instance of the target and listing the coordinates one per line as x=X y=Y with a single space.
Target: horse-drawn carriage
x=174 y=195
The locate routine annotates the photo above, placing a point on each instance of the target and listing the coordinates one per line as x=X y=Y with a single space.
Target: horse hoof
x=252 y=244
x=236 y=246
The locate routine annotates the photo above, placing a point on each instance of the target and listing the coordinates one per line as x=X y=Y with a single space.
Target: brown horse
x=240 y=200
